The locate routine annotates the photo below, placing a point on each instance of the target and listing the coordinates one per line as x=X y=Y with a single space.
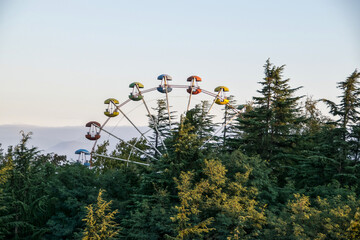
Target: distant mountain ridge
x=60 y=140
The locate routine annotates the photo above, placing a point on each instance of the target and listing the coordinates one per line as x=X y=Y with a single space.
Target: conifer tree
x=312 y=167
x=149 y=216
x=217 y=208
x=201 y=122
x=99 y=220
x=184 y=154
x=230 y=130
x=347 y=110
x=188 y=209
x=24 y=202
x=346 y=142
x=272 y=126
x=25 y=187
x=70 y=188
x=256 y=124
x=185 y=151
x=160 y=121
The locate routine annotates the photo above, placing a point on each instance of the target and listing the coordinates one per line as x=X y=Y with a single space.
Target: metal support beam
x=120 y=159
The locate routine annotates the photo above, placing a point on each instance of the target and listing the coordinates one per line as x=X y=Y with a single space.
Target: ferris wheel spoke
x=235 y=110
x=212 y=103
x=178 y=86
x=188 y=106
x=120 y=159
x=132 y=150
x=224 y=125
x=125 y=102
x=137 y=129
x=93 y=149
x=149 y=90
x=209 y=93
x=152 y=119
x=113 y=135
x=168 y=107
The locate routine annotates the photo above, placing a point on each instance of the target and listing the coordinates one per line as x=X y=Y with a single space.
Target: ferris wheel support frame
x=137 y=129
x=223 y=125
x=124 y=160
x=237 y=112
x=167 y=104
x=113 y=135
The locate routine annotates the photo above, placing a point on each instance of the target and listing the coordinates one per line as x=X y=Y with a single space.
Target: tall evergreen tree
x=230 y=130
x=184 y=154
x=201 y=122
x=271 y=127
x=26 y=190
x=346 y=132
x=160 y=123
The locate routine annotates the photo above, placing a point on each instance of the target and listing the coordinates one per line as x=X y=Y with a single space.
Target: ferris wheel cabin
x=221 y=99
x=94 y=130
x=194 y=88
x=135 y=95
x=163 y=87
x=111 y=110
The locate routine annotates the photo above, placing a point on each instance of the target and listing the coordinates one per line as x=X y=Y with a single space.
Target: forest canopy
x=282 y=169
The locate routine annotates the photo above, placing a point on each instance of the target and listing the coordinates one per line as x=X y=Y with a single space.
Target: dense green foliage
x=100 y=224
x=279 y=170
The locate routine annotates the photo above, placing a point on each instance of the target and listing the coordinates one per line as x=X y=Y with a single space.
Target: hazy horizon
x=59 y=140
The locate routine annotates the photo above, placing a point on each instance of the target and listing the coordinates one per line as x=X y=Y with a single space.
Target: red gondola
x=94 y=130
x=194 y=87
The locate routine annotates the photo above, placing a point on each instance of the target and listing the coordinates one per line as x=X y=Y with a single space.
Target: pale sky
x=59 y=60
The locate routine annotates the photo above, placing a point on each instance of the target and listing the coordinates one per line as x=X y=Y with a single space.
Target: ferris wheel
x=138 y=93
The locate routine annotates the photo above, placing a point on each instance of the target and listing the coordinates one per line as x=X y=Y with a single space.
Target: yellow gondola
x=111 y=110
x=225 y=89
x=222 y=102
x=221 y=99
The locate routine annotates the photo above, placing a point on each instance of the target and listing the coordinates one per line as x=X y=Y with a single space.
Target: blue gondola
x=84 y=151
x=162 y=76
x=164 y=87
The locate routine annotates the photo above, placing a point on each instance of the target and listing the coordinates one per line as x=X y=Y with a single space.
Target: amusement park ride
x=114 y=109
